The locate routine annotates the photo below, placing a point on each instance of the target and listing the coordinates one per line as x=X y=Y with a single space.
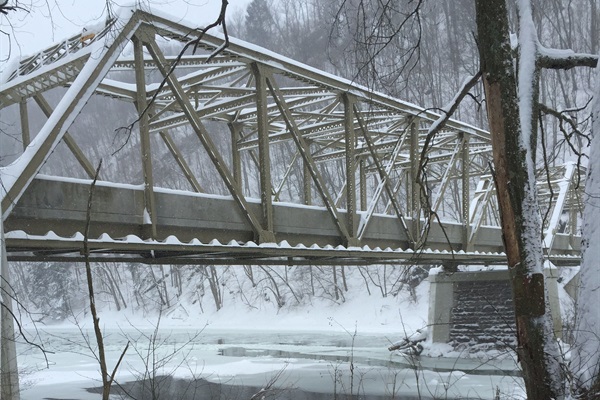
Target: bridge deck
x=199 y=228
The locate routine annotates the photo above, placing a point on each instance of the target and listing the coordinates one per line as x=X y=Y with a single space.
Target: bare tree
x=107 y=380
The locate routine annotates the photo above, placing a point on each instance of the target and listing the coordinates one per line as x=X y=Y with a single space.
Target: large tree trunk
x=513 y=155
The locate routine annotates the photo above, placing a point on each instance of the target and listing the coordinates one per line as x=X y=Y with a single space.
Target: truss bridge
x=237 y=155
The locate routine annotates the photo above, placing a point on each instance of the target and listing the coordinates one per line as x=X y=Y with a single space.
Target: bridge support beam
x=384 y=181
x=236 y=161
x=363 y=184
x=69 y=141
x=304 y=149
x=9 y=380
x=264 y=156
x=188 y=109
x=415 y=188
x=183 y=165
x=350 y=139
x=24 y=114
x=307 y=183
x=466 y=192
x=143 y=112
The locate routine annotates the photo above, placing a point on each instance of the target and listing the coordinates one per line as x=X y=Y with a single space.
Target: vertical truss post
x=306 y=181
x=350 y=147
x=9 y=382
x=363 y=184
x=264 y=159
x=407 y=186
x=142 y=104
x=465 y=180
x=236 y=160
x=574 y=208
x=415 y=191
x=24 y=123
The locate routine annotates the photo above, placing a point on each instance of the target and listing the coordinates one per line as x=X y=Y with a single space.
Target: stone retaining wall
x=482 y=315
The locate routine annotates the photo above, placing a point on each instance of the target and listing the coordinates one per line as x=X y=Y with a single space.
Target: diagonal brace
x=384 y=177
x=304 y=150
x=260 y=234
x=69 y=141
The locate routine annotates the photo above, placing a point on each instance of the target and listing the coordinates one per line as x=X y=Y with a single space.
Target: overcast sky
x=49 y=21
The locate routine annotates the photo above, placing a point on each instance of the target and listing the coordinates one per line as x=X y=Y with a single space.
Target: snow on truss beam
x=55 y=66
x=247 y=52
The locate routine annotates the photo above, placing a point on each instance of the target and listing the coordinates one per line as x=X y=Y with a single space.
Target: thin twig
x=106 y=379
x=40 y=348
x=547 y=170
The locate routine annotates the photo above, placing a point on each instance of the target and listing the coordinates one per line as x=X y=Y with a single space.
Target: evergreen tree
x=260 y=24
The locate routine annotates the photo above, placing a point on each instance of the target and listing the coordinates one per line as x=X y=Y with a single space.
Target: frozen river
x=331 y=363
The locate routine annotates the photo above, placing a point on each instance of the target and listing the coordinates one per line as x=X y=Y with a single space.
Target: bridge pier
x=476 y=308
x=9 y=380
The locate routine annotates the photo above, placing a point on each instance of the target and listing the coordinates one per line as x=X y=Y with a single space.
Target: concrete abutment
x=474 y=310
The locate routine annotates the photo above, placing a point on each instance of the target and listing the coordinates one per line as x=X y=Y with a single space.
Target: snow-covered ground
x=312 y=345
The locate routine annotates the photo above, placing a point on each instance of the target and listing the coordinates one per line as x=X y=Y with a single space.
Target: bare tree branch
x=107 y=379
x=375 y=30
x=564 y=119
x=447 y=112
x=39 y=347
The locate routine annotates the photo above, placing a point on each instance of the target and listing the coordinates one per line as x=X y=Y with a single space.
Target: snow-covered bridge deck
x=246 y=157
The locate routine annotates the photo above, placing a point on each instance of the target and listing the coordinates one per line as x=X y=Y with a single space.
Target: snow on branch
x=563 y=117
x=564 y=59
x=5 y=8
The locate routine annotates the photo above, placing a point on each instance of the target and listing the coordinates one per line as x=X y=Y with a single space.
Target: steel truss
x=341 y=159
